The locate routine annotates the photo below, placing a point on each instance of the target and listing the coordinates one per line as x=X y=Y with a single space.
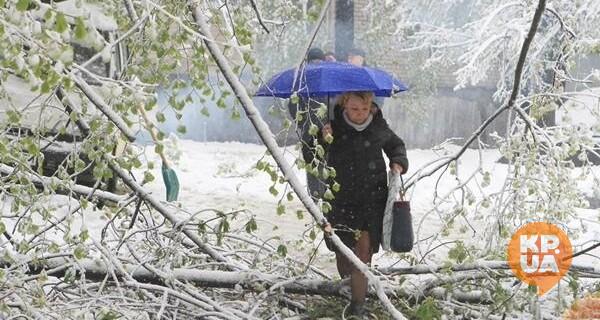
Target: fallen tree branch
x=269 y=140
x=146 y=196
x=485 y=265
x=43 y=182
x=99 y=102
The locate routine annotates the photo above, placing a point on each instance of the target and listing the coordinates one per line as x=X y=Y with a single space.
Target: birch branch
x=43 y=182
x=258 y=16
x=511 y=101
x=269 y=140
x=99 y=102
x=156 y=204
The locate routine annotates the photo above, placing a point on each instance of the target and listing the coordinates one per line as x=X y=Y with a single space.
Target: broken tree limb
x=43 y=182
x=485 y=265
x=97 y=271
x=99 y=102
x=269 y=140
x=156 y=204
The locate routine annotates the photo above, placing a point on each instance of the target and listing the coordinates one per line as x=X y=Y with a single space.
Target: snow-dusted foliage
x=74 y=73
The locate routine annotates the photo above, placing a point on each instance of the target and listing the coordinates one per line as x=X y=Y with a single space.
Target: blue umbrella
x=330 y=78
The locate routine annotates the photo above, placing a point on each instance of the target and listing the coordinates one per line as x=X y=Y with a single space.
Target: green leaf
x=320 y=152
x=1 y=3
x=273 y=191
x=84 y=235
x=235 y=115
x=332 y=173
x=2 y=227
x=322 y=111
x=224 y=226
x=290 y=196
x=300 y=214
x=79 y=252
x=329 y=138
x=328 y=195
x=335 y=187
x=458 y=253
x=280 y=209
x=294 y=98
x=260 y=165
x=159 y=148
x=204 y=112
x=325 y=207
x=428 y=310
x=160 y=117
x=313 y=130
x=13 y=117
x=22 y=5
x=251 y=226
x=61 y=23
x=80 y=30
x=312 y=235
x=148 y=177
x=282 y=250
x=181 y=129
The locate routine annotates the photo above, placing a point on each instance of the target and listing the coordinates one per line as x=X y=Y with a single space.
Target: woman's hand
x=327 y=133
x=326 y=130
x=396 y=168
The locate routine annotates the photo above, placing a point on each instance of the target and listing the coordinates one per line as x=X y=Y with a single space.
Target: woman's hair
x=366 y=96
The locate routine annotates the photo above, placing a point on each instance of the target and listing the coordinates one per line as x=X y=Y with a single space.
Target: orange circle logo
x=540 y=254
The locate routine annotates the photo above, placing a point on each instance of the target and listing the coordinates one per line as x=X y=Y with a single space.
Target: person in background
x=357 y=57
x=304 y=112
x=330 y=56
x=360 y=133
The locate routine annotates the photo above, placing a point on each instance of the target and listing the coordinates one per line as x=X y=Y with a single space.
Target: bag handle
x=402 y=190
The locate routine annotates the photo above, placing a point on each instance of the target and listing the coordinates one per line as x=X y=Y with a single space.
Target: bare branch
x=258 y=16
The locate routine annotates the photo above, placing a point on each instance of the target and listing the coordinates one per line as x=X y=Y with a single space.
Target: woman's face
x=357 y=109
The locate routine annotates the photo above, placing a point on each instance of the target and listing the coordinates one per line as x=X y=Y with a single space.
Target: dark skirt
x=349 y=220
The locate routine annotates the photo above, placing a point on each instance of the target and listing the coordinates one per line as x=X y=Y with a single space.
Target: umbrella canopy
x=330 y=78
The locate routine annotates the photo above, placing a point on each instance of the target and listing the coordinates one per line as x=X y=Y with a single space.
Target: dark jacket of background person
x=361 y=172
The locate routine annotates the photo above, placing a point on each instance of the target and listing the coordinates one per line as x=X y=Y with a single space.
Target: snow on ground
x=222 y=176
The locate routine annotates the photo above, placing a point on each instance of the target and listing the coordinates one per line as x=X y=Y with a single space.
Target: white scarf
x=358 y=127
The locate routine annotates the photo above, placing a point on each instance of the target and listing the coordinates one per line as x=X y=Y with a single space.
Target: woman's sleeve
x=394 y=148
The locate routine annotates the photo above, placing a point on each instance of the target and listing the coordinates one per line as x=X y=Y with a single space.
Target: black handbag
x=402 y=237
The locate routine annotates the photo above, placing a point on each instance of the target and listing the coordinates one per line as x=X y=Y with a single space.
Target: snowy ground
x=222 y=176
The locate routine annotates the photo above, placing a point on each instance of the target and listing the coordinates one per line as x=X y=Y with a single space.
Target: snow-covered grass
x=223 y=176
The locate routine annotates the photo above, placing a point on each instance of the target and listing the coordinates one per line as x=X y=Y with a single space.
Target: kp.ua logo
x=540 y=255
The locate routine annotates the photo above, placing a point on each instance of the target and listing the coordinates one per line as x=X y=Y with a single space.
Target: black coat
x=358 y=161
x=361 y=172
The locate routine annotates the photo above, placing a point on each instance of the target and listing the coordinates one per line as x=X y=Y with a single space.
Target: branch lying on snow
x=586 y=271
x=146 y=196
x=511 y=101
x=96 y=270
x=268 y=139
x=43 y=182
